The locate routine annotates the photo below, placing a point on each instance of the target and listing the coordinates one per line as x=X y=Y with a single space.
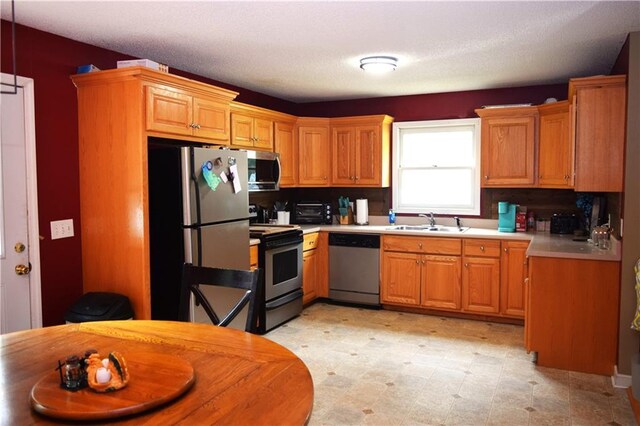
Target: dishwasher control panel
x=354 y=240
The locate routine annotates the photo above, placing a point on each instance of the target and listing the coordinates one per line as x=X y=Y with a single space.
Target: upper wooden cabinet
x=555 y=146
x=360 y=151
x=252 y=127
x=314 y=152
x=178 y=111
x=117 y=111
x=508 y=146
x=600 y=118
x=285 y=145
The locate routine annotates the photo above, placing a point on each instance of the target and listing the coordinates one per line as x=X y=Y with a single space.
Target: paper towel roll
x=362 y=211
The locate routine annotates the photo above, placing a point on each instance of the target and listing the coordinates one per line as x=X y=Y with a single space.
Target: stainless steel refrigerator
x=196 y=215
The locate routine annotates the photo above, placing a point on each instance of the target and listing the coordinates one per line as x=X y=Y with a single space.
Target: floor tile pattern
x=378 y=367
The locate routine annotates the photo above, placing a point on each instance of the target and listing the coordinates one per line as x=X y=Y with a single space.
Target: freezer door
x=204 y=205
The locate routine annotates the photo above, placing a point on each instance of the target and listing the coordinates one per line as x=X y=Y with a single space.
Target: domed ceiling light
x=378 y=64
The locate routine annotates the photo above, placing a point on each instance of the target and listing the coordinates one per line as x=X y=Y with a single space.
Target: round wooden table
x=240 y=378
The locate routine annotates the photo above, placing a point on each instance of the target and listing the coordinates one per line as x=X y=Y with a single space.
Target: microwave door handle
x=277 y=172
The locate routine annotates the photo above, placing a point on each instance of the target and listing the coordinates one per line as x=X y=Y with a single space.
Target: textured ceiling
x=309 y=51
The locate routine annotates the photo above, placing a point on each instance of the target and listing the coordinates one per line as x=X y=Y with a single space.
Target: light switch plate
x=61 y=229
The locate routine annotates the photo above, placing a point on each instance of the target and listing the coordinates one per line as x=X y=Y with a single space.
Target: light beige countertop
x=542 y=244
x=254 y=241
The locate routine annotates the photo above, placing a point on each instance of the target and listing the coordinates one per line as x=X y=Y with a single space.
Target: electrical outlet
x=61 y=229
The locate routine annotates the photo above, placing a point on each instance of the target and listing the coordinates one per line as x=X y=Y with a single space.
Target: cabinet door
x=343 y=151
x=314 y=150
x=211 y=119
x=368 y=156
x=508 y=151
x=263 y=134
x=401 y=278
x=600 y=137
x=285 y=145
x=512 y=278
x=241 y=130
x=253 y=257
x=169 y=111
x=440 y=282
x=309 y=275
x=481 y=285
x=555 y=148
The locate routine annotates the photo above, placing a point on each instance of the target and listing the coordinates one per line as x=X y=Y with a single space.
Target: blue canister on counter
x=392 y=217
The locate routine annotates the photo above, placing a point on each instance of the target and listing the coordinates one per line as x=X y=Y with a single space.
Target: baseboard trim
x=620 y=380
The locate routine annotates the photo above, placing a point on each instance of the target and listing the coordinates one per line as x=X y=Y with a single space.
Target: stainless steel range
x=280 y=255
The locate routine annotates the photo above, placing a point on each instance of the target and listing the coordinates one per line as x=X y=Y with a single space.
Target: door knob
x=22 y=269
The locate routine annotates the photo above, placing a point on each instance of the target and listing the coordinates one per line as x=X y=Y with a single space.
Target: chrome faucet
x=432 y=220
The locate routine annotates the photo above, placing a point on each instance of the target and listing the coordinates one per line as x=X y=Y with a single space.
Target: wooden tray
x=155 y=379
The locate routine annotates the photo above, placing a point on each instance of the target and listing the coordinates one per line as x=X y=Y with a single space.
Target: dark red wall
x=437 y=106
x=50 y=60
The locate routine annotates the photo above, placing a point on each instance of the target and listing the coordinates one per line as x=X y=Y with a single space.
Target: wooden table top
x=240 y=378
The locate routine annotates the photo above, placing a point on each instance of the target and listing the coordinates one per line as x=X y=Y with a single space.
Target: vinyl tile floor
x=389 y=368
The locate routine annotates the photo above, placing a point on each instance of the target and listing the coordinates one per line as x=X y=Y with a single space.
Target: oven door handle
x=284 y=300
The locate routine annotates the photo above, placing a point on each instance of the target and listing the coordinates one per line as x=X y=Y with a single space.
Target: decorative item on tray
x=100 y=374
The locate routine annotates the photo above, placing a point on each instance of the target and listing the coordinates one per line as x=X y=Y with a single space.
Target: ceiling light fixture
x=378 y=64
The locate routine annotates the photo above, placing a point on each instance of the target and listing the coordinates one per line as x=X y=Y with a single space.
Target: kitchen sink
x=427 y=228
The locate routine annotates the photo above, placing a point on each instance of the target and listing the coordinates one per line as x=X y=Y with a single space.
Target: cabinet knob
x=466 y=265
x=352 y=178
x=196 y=126
x=325 y=178
x=486 y=177
x=423 y=262
x=357 y=177
x=417 y=262
x=420 y=245
x=481 y=248
x=506 y=250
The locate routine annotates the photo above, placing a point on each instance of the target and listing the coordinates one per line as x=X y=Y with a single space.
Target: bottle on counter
x=531 y=222
x=392 y=217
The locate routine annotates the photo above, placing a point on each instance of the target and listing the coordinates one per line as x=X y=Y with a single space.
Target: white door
x=20 y=301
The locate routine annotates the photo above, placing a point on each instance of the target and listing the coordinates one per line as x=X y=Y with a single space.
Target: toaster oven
x=311 y=213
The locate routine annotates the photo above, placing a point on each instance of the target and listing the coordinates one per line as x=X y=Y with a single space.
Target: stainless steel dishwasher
x=354 y=268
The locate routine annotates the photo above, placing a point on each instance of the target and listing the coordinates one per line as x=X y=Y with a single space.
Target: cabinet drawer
x=451 y=246
x=483 y=248
x=310 y=241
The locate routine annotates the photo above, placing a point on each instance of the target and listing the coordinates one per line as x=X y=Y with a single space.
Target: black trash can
x=98 y=306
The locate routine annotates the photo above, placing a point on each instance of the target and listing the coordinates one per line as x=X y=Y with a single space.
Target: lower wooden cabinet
x=481 y=285
x=413 y=277
x=309 y=275
x=428 y=272
x=513 y=273
x=253 y=257
x=572 y=313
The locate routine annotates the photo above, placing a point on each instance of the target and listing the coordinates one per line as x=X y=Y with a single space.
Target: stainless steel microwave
x=263 y=171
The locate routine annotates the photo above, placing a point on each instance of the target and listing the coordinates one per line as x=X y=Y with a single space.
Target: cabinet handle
x=357 y=177
x=466 y=265
x=481 y=248
x=423 y=262
x=352 y=178
x=192 y=125
x=420 y=245
x=486 y=177
x=417 y=262
x=196 y=126
x=506 y=250
x=325 y=178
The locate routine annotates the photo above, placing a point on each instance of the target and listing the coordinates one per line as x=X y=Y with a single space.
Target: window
x=436 y=166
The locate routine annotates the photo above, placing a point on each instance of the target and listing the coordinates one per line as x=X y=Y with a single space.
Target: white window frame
x=446 y=210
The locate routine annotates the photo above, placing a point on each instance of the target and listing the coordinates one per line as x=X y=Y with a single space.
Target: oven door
x=283 y=270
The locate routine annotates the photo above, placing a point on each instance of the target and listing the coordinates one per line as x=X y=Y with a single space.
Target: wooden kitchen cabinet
x=310 y=266
x=360 y=148
x=508 y=140
x=251 y=132
x=481 y=276
x=401 y=278
x=322 y=250
x=285 y=145
x=572 y=315
x=174 y=111
x=555 y=146
x=513 y=273
x=116 y=116
x=253 y=257
x=600 y=128
x=419 y=271
x=314 y=152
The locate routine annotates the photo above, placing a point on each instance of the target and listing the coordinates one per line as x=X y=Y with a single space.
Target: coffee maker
x=506 y=217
